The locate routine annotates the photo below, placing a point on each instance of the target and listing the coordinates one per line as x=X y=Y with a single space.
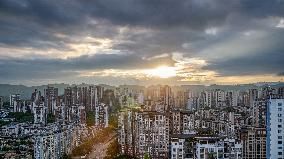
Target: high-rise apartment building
x=275 y=129
x=1 y=102
x=51 y=101
x=15 y=102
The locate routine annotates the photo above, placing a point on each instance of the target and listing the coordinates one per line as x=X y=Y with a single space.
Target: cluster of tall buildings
x=157 y=121
x=58 y=122
x=55 y=140
x=215 y=123
x=70 y=106
x=23 y=140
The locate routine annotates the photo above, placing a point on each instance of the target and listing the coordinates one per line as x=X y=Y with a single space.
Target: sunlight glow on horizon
x=162 y=72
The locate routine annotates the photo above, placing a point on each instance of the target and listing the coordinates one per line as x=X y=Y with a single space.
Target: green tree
x=2 y=123
x=90 y=118
x=21 y=117
x=50 y=118
x=146 y=156
x=65 y=156
x=6 y=104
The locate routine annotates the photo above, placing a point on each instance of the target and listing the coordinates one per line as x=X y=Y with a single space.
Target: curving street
x=100 y=149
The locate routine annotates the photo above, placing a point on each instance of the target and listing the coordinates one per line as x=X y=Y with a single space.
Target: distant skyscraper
x=1 y=102
x=38 y=108
x=275 y=129
x=165 y=96
x=100 y=91
x=68 y=96
x=101 y=115
x=13 y=98
x=93 y=98
x=281 y=91
x=15 y=102
x=51 y=95
x=253 y=95
x=39 y=112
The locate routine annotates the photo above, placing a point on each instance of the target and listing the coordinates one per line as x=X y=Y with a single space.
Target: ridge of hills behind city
x=25 y=91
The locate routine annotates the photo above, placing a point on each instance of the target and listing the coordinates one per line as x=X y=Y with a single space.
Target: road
x=99 y=149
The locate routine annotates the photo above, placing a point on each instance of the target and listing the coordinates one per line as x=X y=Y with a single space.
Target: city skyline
x=145 y=42
x=142 y=79
x=96 y=121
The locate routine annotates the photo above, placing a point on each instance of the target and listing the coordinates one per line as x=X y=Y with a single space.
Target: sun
x=162 y=72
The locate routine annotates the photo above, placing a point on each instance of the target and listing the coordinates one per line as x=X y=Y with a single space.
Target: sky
x=141 y=41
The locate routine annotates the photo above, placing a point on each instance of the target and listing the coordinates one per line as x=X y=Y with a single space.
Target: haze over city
x=141 y=42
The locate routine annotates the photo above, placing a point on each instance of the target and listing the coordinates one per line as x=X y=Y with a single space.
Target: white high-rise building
x=15 y=102
x=106 y=116
x=40 y=114
x=177 y=148
x=93 y=97
x=275 y=129
x=101 y=115
x=140 y=98
x=1 y=102
x=190 y=104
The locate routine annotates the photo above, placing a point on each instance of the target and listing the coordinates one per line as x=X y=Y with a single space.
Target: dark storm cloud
x=170 y=26
x=47 y=68
x=50 y=15
x=28 y=35
x=158 y=42
x=161 y=13
x=266 y=56
x=193 y=14
x=280 y=74
x=262 y=8
x=35 y=23
x=262 y=63
x=46 y=12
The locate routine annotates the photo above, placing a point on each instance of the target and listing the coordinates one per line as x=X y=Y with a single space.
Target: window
x=279 y=137
x=279 y=131
x=279 y=142
x=279 y=109
x=279 y=126
x=279 y=104
x=279 y=120
x=279 y=153
x=279 y=115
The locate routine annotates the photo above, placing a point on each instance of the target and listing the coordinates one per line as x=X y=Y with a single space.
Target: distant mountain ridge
x=26 y=91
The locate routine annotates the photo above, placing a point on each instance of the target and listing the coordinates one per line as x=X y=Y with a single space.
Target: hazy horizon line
x=145 y=85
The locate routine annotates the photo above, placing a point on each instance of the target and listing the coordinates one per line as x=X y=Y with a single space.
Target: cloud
x=55 y=39
x=35 y=22
x=46 y=68
x=280 y=74
x=259 y=53
x=280 y=24
x=265 y=63
x=211 y=31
